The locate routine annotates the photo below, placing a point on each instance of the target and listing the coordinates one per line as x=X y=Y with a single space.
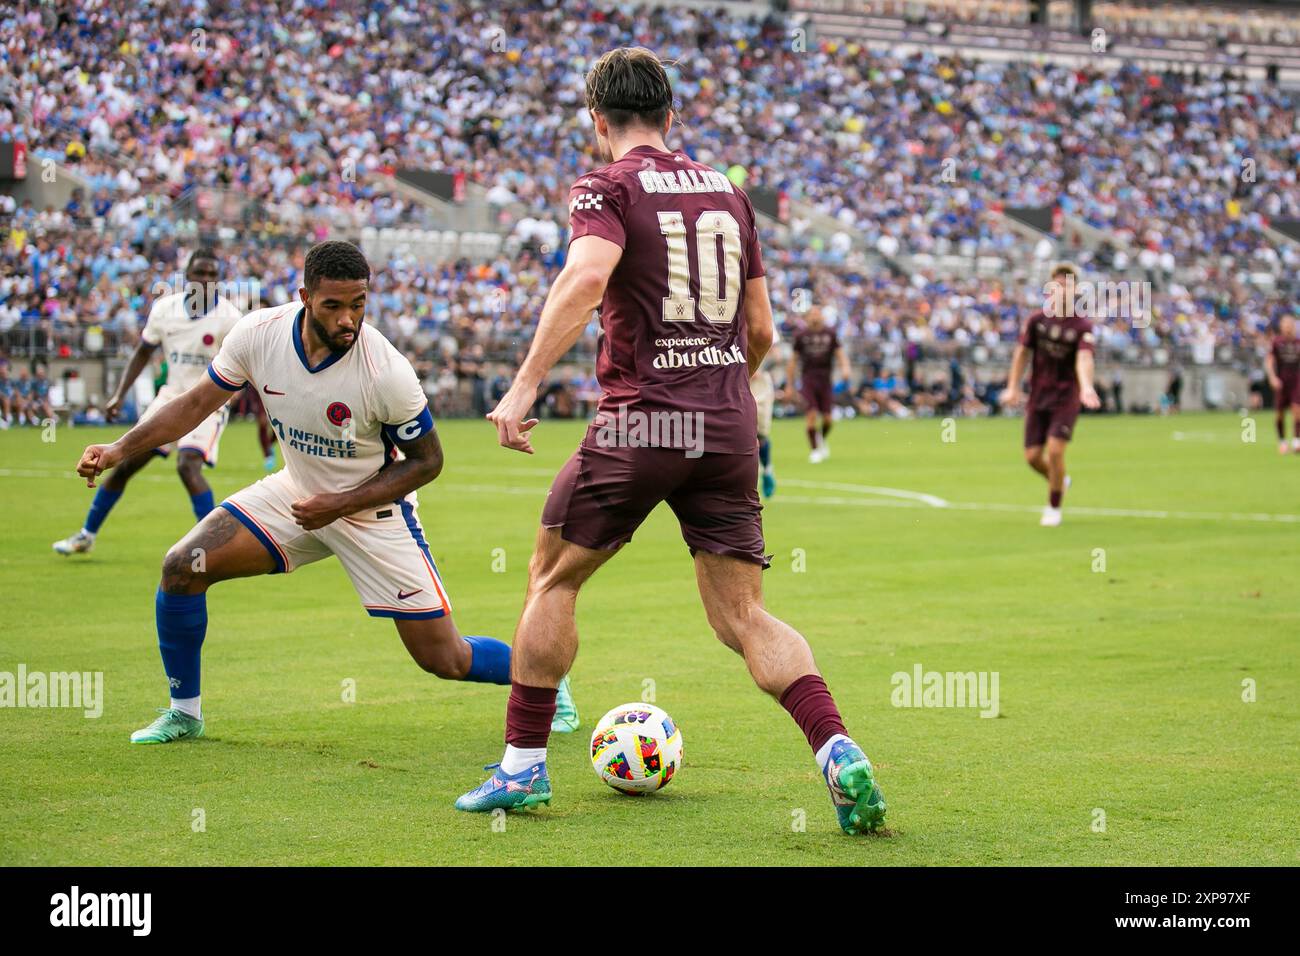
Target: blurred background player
x=815 y=353
x=1283 y=368
x=763 y=389
x=8 y=398
x=190 y=327
x=1061 y=380
x=39 y=409
x=682 y=341
x=358 y=441
x=22 y=396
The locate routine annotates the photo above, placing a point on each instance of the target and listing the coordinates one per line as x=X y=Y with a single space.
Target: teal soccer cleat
x=502 y=791
x=565 y=720
x=171 y=725
x=858 y=802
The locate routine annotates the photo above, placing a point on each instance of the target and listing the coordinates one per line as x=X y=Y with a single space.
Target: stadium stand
x=895 y=149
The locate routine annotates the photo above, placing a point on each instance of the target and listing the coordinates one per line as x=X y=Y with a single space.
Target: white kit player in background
x=358 y=440
x=189 y=326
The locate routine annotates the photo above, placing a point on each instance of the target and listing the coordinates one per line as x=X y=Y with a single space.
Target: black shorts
x=602 y=494
x=817 y=394
x=1055 y=421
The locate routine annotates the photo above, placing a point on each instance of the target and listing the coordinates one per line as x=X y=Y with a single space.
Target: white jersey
x=188 y=344
x=338 y=422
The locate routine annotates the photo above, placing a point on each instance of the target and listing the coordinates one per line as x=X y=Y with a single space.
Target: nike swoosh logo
x=271 y=391
x=403 y=597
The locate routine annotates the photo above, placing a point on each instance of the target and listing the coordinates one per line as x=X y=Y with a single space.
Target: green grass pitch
x=1123 y=736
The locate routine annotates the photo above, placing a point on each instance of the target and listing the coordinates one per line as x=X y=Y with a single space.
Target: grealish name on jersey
x=685 y=181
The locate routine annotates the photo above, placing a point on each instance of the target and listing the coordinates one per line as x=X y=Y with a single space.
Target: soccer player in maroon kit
x=1061 y=381
x=1283 y=367
x=667 y=249
x=817 y=349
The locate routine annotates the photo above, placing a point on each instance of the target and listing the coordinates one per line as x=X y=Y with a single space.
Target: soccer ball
x=636 y=749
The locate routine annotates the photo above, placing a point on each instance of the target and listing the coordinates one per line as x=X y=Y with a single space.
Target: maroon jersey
x=1056 y=342
x=673 y=314
x=1286 y=356
x=816 y=351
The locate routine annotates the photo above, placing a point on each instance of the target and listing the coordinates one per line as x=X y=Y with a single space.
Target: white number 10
x=717 y=304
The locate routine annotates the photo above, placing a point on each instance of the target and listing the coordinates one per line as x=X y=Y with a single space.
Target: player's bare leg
x=106 y=496
x=189 y=467
x=545 y=644
x=813 y=429
x=1036 y=460
x=782 y=665
x=775 y=653
x=219 y=548
x=546 y=639
x=1055 y=455
x=437 y=645
x=1295 y=429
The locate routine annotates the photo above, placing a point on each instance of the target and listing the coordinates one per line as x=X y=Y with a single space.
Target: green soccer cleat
x=565 y=720
x=524 y=790
x=858 y=802
x=172 y=725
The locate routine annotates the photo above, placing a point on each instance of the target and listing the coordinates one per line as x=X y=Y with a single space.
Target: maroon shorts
x=1055 y=421
x=816 y=394
x=602 y=495
x=1289 y=393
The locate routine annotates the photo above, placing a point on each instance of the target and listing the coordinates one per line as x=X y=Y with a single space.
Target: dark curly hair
x=630 y=84
x=334 y=260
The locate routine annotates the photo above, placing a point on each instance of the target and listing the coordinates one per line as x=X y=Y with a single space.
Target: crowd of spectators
x=297 y=103
x=300 y=106
x=74 y=291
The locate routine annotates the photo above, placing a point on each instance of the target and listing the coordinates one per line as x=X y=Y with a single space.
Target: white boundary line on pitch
x=888 y=498
x=934 y=501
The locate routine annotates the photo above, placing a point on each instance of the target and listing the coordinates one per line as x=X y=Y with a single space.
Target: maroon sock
x=812 y=438
x=1054 y=498
x=529 y=714
x=826 y=427
x=813 y=709
x=1281 y=428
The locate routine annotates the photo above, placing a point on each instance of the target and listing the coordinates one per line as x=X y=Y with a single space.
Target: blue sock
x=491 y=661
x=765 y=452
x=100 y=507
x=202 y=504
x=182 y=624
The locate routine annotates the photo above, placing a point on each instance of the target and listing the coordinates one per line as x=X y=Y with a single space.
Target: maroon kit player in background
x=1283 y=366
x=668 y=250
x=1061 y=380
x=817 y=349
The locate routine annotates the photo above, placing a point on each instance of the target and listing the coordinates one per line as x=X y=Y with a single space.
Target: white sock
x=89 y=534
x=521 y=758
x=824 y=754
x=189 y=705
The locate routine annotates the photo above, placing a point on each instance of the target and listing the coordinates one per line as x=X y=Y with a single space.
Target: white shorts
x=764 y=392
x=382 y=549
x=204 y=439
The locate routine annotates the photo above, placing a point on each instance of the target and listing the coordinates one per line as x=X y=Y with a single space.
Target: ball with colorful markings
x=636 y=748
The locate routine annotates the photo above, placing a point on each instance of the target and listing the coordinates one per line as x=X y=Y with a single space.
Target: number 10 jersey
x=673 y=315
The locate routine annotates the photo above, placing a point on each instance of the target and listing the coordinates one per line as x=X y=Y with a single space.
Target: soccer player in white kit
x=358 y=440
x=189 y=326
